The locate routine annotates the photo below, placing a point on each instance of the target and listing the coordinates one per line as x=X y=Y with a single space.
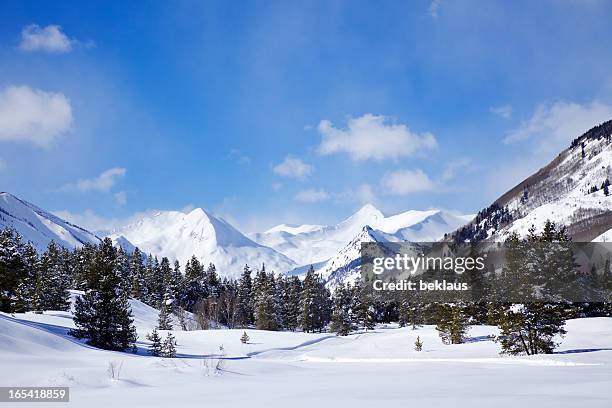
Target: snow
x=562 y=193
x=605 y=237
x=179 y=235
x=40 y=227
x=310 y=244
x=279 y=369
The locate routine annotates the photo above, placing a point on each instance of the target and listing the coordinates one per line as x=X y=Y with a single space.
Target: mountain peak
x=366 y=215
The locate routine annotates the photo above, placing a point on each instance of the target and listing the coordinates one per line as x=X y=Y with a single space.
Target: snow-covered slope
x=179 y=235
x=311 y=244
x=330 y=370
x=40 y=227
x=344 y=267
x=569 y=191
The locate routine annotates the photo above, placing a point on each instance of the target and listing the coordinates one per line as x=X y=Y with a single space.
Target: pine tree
x=194 y=277
x=363 y=306
x=418 y=344
x=315 y=303
x=165 y=279
x=11 y=268
x=124 y=271
x=165 y=312
x=137 y=271
x=53 y=281
x=26 y=287
x=531 y=327
x=177 y=284
x=156 y=348
x=264 y=301
x=169 y=346
x=102 y=315
x=292 y=303
x=244 y=307
x=452 y=323
x=244 y=339
x=308 y=302
x=342 y=318
x=212 y=282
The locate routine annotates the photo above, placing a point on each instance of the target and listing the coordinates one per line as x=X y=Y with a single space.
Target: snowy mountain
x=179 y=235
x=312 y=244
x=40 y=227
x=569 y=191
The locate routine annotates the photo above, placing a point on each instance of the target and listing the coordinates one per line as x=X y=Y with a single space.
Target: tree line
x=198 y=298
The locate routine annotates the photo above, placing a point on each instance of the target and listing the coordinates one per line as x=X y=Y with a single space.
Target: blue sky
x=269 y=112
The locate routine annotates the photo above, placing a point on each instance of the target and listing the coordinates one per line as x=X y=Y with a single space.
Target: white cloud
x=372 y=137
x=312 y=196
x=120 y=197
x=434 y=6
x=553 y=126
x=403 y=182
x=505 y=111
x=454 y=166
x=47 y=39
x=293 y=167
x=32 y=115
x=104 y=182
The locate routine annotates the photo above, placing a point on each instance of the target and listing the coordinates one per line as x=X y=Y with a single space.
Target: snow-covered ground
x=282 y=369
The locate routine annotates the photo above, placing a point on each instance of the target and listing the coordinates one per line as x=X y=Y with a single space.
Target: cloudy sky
x=269 y=112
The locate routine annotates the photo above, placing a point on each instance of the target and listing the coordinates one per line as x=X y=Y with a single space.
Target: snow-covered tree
x=102 y=315
x=342 y=316
x=156 y=348
x=164 y=321
x=169 y=346
x=11 y=267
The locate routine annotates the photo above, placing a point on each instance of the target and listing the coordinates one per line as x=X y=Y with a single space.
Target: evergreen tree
x=264 y=301
x=156 y=348
x=530 y=328
x=102 y=315
x=137 y=271
x=315 y=303
x=176 y=284
x=26 y=287
x=452 y=323
x=194 y=277
x=363 y=306
x=165 y=312
x=11 y=268
x=124 y=271
x=212 y=282
x=418 y=344
x=342 y=318
x=169 y=346
x=244 y=307
x=292 y=303
x=244 y=339
x=53 y=281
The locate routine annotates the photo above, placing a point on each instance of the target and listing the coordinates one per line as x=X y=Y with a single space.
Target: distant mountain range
x=571 y=191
